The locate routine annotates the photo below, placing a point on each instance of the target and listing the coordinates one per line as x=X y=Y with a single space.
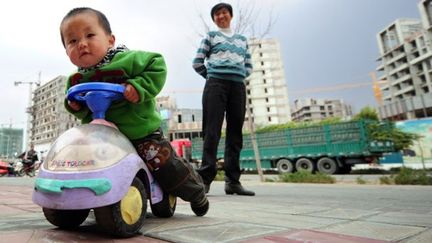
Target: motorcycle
x=95 y=167
x=26 y=168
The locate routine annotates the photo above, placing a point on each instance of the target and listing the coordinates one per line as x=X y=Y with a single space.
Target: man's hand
x=74 y=105
x=131 y=94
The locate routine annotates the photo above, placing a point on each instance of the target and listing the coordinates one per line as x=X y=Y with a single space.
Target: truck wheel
x=305 y=164
x=125 y=218
x=327 y=166
x=65 y=219
x=284 y=166
x=166 y=207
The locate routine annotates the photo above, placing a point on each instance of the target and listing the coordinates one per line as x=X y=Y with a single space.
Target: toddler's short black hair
x=103 y=20
x=220 y=6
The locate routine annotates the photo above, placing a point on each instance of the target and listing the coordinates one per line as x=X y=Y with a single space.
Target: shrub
x=386 y=180
x=409 y=176
x=360 y=180
x=374 y=171
x=303 y=176
x=220 y=176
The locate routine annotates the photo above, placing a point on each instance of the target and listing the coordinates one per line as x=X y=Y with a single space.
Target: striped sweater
x=227 y=57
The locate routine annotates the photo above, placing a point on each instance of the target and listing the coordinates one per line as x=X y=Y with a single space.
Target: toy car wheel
x=125 y=218
x=65 y=219
x=166 y=207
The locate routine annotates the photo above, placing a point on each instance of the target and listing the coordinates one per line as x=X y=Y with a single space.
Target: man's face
x=85 y=40
x=222 y=18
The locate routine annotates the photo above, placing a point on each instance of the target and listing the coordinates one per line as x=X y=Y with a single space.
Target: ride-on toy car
x=95 y=167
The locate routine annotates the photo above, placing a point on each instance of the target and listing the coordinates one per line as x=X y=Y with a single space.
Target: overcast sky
x=324 y=43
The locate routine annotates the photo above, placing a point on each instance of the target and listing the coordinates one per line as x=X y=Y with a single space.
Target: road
x=280 y=212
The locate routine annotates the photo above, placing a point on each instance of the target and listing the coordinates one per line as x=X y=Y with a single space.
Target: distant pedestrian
x=28 y=159
x=228 y=65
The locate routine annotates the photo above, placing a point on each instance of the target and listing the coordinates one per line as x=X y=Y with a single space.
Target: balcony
x=404 y=90
x=420 y=58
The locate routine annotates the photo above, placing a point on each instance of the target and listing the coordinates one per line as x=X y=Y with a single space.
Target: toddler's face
x=85 y=40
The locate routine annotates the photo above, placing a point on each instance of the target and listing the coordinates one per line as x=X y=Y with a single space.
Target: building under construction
x=405 y=69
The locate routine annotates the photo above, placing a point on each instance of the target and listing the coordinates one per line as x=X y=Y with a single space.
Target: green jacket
x=146 y=72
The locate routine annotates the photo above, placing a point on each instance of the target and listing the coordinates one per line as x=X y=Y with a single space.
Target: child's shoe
x=201 y=208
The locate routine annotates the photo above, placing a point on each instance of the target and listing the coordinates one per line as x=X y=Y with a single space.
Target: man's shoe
x=200 y=209
x=237 y=189
x=206 y=188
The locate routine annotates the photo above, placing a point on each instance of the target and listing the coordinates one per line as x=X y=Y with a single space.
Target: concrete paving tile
x=241 y=212
x=178 y=221
x=423 y=237
x=379 y=231
x=7 y=210
x=301 y=236
x=343 y=213
x=216 y=233
x=400 y=218
x=56 y=235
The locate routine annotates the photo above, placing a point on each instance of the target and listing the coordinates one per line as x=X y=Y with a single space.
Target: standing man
x=228 y=65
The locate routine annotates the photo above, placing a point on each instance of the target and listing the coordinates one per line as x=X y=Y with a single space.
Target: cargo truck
x=329 y=149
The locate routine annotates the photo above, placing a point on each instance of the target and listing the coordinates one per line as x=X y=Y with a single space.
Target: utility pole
x=29 y=109
x=253 y=140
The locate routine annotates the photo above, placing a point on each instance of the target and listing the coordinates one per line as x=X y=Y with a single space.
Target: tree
x=367 y=113
x=389 y=131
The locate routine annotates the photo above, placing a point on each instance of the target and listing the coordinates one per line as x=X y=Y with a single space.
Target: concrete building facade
x=308 y=109
x=49 y=118
x=405 y=69
x=267 y=95
x=11 y=140
x=179 y=123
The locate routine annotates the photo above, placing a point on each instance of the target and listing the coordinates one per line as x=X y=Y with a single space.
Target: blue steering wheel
x=97 y=95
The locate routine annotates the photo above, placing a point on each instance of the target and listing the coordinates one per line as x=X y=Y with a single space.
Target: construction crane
x=29 y=108
x=374 y=84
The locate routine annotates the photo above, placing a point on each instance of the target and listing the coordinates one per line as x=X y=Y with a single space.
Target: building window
x=179 y=118
x=264 y=81
x=265 y=90
x=267 y=100
x=263 y=72
x=269 y=118
x=268 y=109
x=262 y=63
x=261 y=54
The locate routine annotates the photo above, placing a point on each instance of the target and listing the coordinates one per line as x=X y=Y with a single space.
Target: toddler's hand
x=74 y=105
x=131 y=94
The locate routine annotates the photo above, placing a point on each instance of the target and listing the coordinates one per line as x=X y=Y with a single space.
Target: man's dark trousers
x=222 y=98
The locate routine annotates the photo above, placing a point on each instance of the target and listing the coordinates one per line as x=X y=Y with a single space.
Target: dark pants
x=175 y=175
x=222 y=98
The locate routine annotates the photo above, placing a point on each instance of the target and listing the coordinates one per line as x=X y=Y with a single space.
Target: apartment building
x=267 y=95
x=179 y=123
x=405 y=69
x=49 y=118
x=308 y=109
x=11 y=140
